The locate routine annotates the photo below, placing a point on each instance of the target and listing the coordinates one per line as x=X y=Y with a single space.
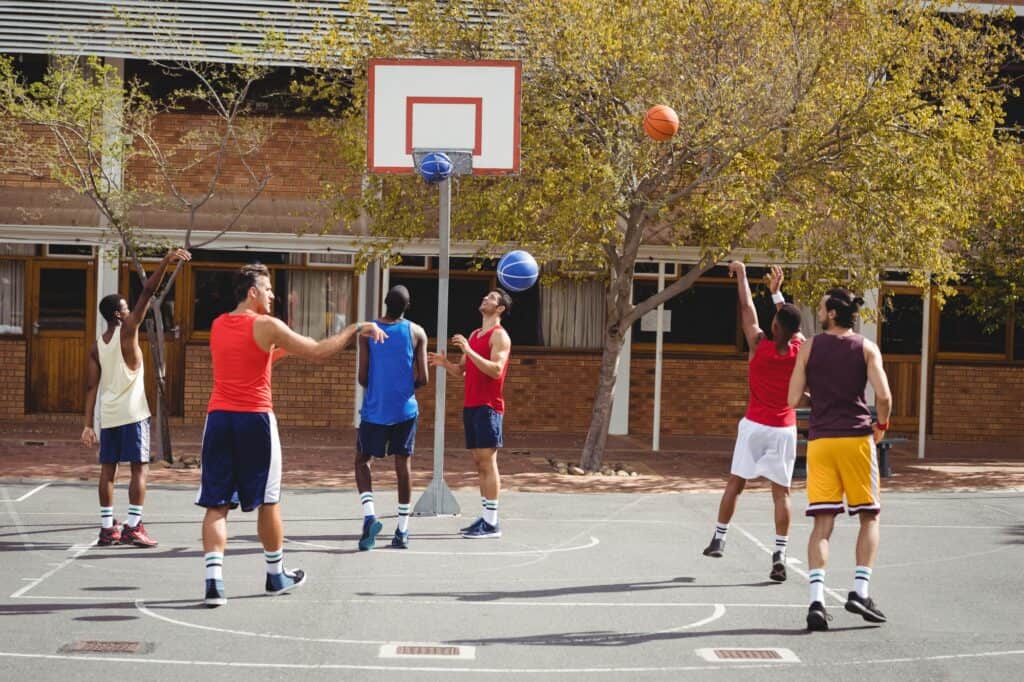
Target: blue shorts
x=483 y=427
x=241 y=453
x=126 y=443
x=381 y=440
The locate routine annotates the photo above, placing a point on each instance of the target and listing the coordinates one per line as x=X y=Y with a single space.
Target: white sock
x=106 y=517
x=214 y=565
x=403 y=517
x=780 y=543
x=134 y=515
x=491 y=512
x=720 y=530
x=862 y=580
x=817 y=576
x=367 y=501
x=275 y=561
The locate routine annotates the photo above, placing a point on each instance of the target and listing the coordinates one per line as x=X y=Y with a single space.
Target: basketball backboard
x=419 y=104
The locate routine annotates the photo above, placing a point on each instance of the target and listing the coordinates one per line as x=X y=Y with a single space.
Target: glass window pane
x=62 y=298
x=1018 y=334
x=705 y=314
x=12 y=297
x=959 y=332
x=314 y=303
x=903 y=316
x=167 y=310
x=214 y=295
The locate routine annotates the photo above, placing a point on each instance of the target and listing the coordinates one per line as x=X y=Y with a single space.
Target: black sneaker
x=817 y=617
x=285 y=581
x=716 y=549
x=473 y=525
x=401 y=540
x=214 y=594
x=778 y=573
x=864 y=607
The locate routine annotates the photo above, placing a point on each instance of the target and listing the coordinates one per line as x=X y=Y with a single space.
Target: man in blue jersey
x=390 y=372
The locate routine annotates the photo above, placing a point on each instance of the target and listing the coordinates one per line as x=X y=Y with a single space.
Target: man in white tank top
x=115 y=369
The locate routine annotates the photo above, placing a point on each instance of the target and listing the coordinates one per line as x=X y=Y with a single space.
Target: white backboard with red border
x=419 y=104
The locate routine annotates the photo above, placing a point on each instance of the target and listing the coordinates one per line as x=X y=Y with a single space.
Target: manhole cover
x=90 y=646
x=427 y=651
x=737 y=655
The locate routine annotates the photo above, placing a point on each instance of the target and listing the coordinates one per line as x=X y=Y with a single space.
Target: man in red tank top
x=241 y=448
x=766 y=439
x=487 y=350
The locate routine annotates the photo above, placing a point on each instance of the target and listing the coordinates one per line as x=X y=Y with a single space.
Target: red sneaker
x=137 y=536
x=110 y=536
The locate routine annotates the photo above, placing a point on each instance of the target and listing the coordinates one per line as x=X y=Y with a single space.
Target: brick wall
x=14 y=361
x=698 y=396
x=978 y=402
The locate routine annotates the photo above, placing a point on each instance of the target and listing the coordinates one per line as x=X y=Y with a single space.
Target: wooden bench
x=800 y=468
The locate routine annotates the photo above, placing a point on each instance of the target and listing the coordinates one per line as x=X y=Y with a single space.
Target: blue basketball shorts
x=241 y=453
x=483 y=427
x=125 y=443
x=381 y=440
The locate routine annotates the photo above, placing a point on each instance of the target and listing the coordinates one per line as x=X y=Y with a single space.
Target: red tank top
x=769 y=384
x=241 y=369
x=481 y=389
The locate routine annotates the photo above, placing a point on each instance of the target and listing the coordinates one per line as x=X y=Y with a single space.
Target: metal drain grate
x=427 y=650
x=738 y=655
x=91 y=646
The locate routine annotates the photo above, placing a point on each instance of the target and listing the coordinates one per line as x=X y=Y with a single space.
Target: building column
x=869 y=330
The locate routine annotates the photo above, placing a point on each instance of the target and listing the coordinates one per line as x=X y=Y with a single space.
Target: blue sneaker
x=371 y=527
x=214 y=594
x=473 y=525
x=401 y=540
x=483 y=530
x=279 y=583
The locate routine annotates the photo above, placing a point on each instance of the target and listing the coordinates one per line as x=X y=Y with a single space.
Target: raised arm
x=880 y=383
x=748 y=313
x=92 y=382
x=421 y=372
x=152 y=283
x=268 y=332
x=798 y=379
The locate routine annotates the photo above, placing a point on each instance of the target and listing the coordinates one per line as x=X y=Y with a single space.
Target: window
x=903 y=316
x=214 y=295
x=167 y=309
x=573 y=314
x=703 y=315
x=61 y=299
x=959 y=332
x=1018 y=333
x=12 y=296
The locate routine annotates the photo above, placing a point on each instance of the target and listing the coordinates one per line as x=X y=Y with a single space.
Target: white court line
x=78 y=550
x=840 y=598
x=79 y=660
x=718 y=613
x=32 y=492
x=594 y=542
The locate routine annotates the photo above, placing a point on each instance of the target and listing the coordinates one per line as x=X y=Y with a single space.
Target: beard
x=826 y=324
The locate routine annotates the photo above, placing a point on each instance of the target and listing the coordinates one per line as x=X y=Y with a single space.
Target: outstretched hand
x=737 y=268
x=89 y=439
x=371 y=331
x=775 y=279
x=178 y=255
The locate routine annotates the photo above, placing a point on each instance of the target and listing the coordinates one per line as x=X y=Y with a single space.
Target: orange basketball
x=660 y=122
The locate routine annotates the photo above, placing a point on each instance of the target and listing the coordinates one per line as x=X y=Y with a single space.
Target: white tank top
x=122 y=392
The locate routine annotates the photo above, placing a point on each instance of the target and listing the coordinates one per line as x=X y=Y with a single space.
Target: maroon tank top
x=837 y=375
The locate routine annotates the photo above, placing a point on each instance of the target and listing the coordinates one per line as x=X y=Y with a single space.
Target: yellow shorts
x=838 y=466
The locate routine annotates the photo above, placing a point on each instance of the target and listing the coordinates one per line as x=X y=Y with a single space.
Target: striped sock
x=366 y=499
x=780 y=543
x=134 y=515
x=817 y=576
x=106 y=517
x=403 y=517
x=862 y=580
x=491 y=512
x=720 y=530
x=214 y=565
x=275 y=561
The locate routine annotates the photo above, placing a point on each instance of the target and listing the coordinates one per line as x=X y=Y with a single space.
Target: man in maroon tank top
x=766 y=437
x=241 y=449
x=487 y=350
x=835 y=367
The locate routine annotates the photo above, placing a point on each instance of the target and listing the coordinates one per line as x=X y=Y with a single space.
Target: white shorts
x=768 y=451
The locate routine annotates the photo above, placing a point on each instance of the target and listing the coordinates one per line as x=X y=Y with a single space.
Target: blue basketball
x=435 y=167
x=517 y=271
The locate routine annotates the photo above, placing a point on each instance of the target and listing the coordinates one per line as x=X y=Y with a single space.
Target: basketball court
x=579 y=586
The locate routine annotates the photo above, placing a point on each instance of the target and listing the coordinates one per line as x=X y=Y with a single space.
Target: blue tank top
x=390 y=383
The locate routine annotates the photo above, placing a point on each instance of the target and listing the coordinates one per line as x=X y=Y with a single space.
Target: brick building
x=55 y=264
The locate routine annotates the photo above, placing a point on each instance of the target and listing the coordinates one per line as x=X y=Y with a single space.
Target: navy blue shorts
x=241 y=453
x=126 y=443
x=483 y=427
x=381 y=440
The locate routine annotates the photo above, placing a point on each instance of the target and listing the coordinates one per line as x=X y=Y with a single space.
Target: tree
x=86 y=128
x=848 y=136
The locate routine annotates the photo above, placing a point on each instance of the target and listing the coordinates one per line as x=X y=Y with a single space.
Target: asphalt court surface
x=579 y=587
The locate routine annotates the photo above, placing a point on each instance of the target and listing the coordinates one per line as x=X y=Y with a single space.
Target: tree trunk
x=155 y=332
x=597 y=434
